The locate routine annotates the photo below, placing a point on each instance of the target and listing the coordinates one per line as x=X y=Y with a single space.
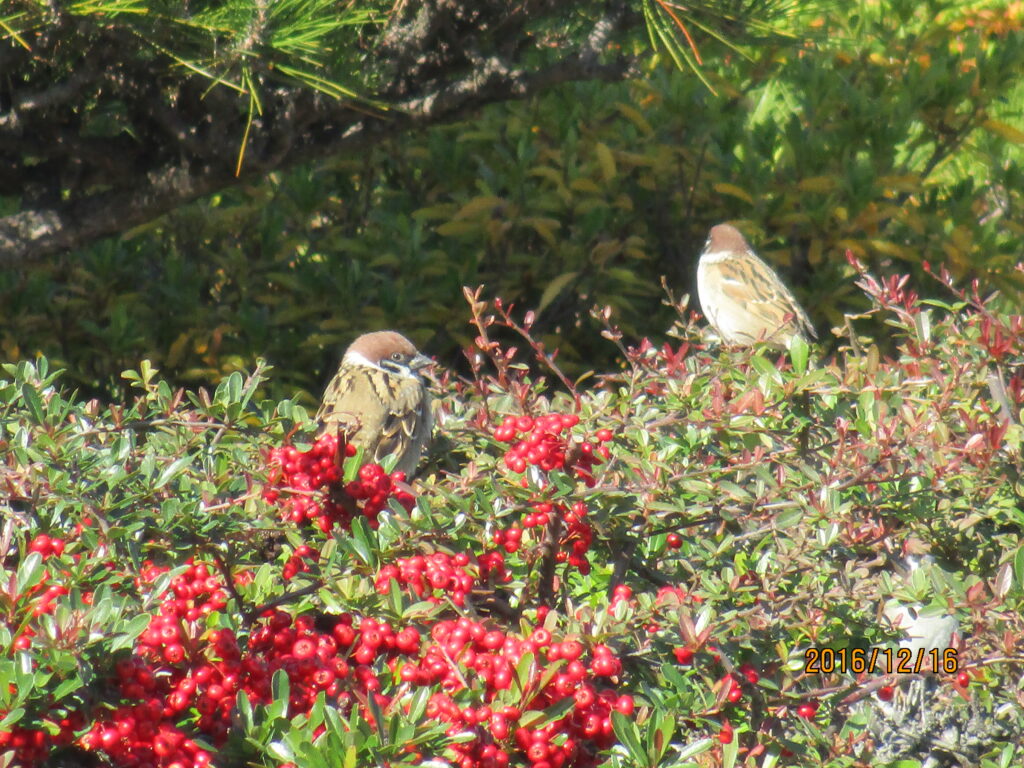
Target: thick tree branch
x=181 y=136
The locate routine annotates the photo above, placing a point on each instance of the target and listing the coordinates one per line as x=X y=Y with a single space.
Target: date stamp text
x=886 y=661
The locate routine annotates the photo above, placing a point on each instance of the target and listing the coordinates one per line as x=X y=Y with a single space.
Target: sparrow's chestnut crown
x=387 y=350
x=724 y=238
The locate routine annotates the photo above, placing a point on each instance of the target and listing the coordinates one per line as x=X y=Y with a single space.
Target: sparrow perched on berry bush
x=379 y=400
x=742 y=297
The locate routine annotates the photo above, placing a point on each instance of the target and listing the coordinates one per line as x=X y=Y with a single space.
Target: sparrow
x=922 y=628
x=742 y=297
x=380 y=400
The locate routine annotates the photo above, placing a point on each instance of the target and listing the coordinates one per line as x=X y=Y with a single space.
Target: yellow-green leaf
x=444 y=211
x=545 y=228
x=551 y=174
x=458 y=228
x=634 y=116
x=585 y=185
x=890 y=248
x=1007 y=131
x=605 y=250
x=606 y=160
x=820 y=184
x=909 y=182
x=732 y=190
x=485 y=204
x=555 y=288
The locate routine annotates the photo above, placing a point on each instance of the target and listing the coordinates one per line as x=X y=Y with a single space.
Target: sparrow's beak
x=420 y=361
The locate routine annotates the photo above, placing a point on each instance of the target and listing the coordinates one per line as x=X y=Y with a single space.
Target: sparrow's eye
x=397 y=357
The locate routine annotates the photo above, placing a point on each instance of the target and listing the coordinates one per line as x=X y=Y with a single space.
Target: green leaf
x=378 y=716
x=730 y=752
x=629 y=736
x=363 y=542
x=34 y=402
x=279 y=686
x=538 y=718
x=418 y=705
x=12 y=717
x=696 y=748
x=30 y=573
x=171 y=471
x=244 y=709
x=1004 y=130
x=129 y=631
x=522 y=675
x=554 y=288
x=395 y=596
x=66 y=687
x=798 y=354
x=1018 y=567
x=660 y=728
x=281 y=751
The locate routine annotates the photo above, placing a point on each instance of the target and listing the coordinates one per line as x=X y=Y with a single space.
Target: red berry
x=624 y=705
x=807 y=711
x=683 y=655
x=750 y=673
x=725 y=735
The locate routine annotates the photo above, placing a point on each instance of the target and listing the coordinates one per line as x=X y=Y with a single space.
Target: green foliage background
x=896 y=133
x=794 y=486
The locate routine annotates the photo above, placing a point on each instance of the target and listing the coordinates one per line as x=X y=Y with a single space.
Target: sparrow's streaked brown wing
x=383 y=414
x=406 y=425
x=752 y=285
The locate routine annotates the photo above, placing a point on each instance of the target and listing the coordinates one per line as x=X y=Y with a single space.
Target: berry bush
x=627 y=575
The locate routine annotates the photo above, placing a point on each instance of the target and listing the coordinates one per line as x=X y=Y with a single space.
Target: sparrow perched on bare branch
x=379 y=399
x=742 y=297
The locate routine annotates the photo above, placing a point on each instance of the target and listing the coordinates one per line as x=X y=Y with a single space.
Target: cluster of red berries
x=433 y=577
x=298 y=561
x=334 y=660
x=622 y=593
x=374 y=487
x=543 y=442
x=464 y=653
x=310 y=482
x=140 y=735
x=43 y=595
x=575 y=540
x=176 y=666
x=168 y=687
x=182 y=677
x=47 y=546
x=197 y=591
x=30 y=746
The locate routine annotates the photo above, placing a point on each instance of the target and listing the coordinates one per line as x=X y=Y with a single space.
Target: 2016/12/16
x=825 y=661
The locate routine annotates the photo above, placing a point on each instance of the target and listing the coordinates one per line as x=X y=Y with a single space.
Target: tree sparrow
x=379 y=399
x=742 y=298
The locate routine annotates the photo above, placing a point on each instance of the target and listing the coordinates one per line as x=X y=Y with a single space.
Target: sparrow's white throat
x=354 y=358
x=713 y=257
